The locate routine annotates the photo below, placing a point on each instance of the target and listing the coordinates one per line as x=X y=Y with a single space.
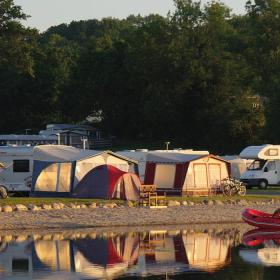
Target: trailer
x=16 y=165
x=265 y=168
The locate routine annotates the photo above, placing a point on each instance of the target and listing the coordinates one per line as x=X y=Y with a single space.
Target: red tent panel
x=150 y=173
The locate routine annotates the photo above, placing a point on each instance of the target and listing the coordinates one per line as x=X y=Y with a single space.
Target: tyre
x=242 y=190
x=263 y=184
x=3 y=192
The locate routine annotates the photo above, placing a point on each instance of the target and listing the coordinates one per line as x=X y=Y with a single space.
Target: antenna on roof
x=167 y=144
x=84 y=140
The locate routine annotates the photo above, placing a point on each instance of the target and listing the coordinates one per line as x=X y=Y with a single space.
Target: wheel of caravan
x=3 y=192
x=263 y=184
x=242 y=190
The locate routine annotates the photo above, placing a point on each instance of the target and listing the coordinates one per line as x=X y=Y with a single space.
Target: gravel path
x=124 y=216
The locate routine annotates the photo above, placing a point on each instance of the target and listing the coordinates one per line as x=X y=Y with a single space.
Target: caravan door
x=271 y=172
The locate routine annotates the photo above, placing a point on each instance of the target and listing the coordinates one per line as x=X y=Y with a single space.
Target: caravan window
x=21 y=165
x=271 y=152
x=271 y=166
x=257 y=164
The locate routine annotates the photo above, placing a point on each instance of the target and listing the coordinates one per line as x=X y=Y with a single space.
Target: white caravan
x=16 y=165
x=265 y=169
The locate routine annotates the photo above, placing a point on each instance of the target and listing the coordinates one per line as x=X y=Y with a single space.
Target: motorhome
x=16 y=165
x=265 y=169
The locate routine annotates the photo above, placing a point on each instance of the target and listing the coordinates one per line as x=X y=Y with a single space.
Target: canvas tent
x=140 y=155
x=237 y=165
x=66 y=171
x=186 y=174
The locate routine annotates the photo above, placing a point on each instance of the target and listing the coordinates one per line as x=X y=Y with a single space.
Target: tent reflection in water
x=169 y=254
x=95 y=258
x=69 y=172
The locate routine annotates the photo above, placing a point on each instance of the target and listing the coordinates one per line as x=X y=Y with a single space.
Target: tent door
x=214 y=171
x=200 y=175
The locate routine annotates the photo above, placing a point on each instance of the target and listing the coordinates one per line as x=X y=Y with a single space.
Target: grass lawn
x=254 y=197
x=38 y=201
x=49 y=200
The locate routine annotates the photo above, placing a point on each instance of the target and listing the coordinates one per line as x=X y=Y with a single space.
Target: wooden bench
x=148 y=196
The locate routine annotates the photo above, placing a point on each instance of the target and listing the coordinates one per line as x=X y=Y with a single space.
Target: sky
x=46 y=13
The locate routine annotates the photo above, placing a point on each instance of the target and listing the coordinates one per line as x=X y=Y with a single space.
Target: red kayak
x=261 y=219
x=259 y=236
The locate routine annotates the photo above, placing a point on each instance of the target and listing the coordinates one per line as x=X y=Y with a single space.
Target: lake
x=160 y=253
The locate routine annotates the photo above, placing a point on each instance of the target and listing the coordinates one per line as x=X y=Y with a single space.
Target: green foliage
x=200 y=77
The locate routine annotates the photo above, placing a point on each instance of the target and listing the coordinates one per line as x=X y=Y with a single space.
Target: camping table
x=148 y=195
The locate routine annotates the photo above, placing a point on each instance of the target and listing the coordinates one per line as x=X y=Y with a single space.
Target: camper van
x=16 y=165
x=265 y=169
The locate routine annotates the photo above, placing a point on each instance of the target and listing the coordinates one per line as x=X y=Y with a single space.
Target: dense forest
x=200 y=77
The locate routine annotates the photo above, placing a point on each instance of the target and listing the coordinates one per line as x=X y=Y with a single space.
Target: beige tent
x=186 y=174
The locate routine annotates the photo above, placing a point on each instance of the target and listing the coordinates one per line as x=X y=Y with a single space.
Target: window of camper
x=271 y=166
x=47 y=180
x=21 y=165
x=271 y=152
x=257 y=164
x=64 y=177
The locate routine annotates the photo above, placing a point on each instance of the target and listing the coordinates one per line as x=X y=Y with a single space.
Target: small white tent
x=237 y=165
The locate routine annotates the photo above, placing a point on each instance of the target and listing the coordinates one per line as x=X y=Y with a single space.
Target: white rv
x=265 y=169
x=16 y=165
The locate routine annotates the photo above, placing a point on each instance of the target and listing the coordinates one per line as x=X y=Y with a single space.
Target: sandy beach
x=69 y=218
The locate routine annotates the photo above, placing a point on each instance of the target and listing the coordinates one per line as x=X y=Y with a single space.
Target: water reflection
x=111 y=255
x=265 y=247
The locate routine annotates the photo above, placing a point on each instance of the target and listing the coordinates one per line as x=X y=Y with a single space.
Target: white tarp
x=62 y=153
x=171 y=157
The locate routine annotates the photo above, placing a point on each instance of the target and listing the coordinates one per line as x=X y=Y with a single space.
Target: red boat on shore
x=261 y=219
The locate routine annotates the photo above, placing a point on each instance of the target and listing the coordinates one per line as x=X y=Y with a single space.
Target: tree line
x=200 y=77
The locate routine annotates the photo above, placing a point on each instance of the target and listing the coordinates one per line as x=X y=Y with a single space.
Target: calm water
x=158 y=254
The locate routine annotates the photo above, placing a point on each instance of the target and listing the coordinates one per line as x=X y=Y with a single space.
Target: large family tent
x=140 y=155
x=66 y=171
x=186 y=174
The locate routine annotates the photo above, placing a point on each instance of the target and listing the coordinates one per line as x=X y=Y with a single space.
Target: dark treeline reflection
x=198 y=76
x=217 y=254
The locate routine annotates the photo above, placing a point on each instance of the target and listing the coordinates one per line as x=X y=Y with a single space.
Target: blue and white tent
x=64 y=171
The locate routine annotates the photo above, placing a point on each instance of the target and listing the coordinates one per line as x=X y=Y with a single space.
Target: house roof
x=62 y=153
x=26 y=137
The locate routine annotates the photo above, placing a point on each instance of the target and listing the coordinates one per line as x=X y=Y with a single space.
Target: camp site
x=139 y=139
